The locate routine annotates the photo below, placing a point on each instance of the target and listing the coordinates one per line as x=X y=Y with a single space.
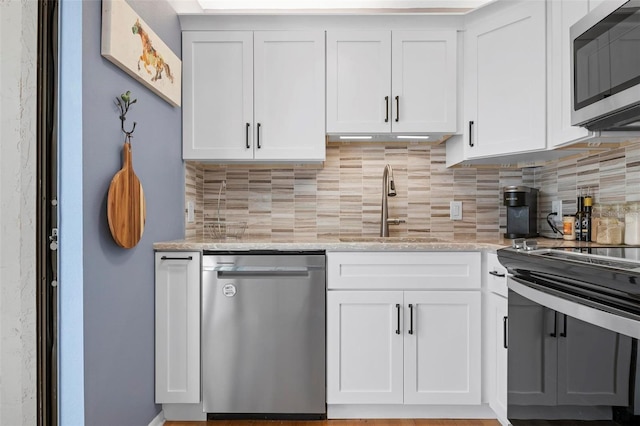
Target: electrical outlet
x=556 y=206
x=455 y=210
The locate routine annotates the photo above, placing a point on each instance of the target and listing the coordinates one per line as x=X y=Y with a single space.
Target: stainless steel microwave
x=605 y=67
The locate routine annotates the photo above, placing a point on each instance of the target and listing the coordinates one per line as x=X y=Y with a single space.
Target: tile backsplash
x=612 y=176
x=342 y=198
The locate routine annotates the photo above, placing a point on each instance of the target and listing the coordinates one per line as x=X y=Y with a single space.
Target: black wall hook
x=124 y=102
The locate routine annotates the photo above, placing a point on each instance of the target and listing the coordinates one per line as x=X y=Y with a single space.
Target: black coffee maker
x=522 y=211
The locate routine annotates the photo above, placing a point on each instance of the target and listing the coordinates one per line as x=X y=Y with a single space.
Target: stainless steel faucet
x=388 y=190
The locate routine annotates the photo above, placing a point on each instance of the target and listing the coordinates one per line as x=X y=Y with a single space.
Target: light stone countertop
x=353 y=244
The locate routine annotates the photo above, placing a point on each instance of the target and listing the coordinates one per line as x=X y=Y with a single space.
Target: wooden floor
x=355 y=422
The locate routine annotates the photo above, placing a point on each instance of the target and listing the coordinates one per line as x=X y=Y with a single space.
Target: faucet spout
x=388 y=190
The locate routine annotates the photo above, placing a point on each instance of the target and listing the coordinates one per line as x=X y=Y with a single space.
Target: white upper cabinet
x=254 y=96
x=423 y=80
x=504 y=83
x=562 y=14
x=289 y=95
x=505 y=71
x=358 y=81
x=218 y=95
x=391 y=81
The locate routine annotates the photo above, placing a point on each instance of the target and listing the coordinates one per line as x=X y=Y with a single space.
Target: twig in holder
x=123 y=103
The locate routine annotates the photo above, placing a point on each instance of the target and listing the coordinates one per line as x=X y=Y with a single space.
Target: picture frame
x=129 y=42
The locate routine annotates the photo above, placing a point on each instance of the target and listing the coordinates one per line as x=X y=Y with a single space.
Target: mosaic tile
x=343 y=197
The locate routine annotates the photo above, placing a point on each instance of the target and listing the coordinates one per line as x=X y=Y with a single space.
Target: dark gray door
x=46 y=211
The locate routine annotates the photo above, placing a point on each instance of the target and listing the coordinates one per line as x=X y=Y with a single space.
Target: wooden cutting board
x=126 y=209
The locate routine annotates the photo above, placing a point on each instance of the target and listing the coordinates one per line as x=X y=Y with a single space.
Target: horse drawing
x=150 y=57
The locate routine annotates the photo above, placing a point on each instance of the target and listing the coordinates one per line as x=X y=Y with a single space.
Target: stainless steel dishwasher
x=263 y=335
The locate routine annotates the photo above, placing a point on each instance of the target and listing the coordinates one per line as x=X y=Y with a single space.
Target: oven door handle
x=564 y=327
x=588 y=311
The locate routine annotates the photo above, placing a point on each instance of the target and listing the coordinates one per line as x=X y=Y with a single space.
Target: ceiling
x=324 y=6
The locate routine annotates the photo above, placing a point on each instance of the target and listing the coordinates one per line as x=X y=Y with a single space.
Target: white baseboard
x=184 y=412
x=383 y=411
x=158 y=420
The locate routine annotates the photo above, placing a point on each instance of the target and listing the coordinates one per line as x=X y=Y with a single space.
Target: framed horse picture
x=131 y=44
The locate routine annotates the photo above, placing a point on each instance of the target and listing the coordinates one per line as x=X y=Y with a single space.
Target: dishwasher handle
x=230 y=271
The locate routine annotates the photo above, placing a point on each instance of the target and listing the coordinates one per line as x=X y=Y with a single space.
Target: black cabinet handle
x=497 y=274
x=247 y=136
x=386 y=100
x=471 y=134
x=505 y=328
x=258 y=136
x=397 y=108
x=398 y=308
x=176 y=258
x=564 y=327
x=410 y=318
x=555 y=325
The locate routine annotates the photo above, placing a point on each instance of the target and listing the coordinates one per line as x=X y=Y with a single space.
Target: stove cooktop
x=602 y=273
x=631 y=253
x=622 y=258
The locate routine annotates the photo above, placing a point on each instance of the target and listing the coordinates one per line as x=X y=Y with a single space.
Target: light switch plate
x=190 y=212
x=455 y=210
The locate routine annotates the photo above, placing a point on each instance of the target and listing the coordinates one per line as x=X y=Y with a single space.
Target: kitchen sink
x=391 y=240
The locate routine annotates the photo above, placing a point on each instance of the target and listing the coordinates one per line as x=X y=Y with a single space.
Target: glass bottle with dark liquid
x=579 y=214
x=586 y=219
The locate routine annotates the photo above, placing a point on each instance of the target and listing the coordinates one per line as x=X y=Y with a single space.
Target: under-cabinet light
x=356 y=137
x=412 y=137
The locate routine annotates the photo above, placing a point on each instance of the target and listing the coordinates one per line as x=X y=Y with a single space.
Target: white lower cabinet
x=364 y=350
x=497 y=341
x=402 y=346
x=177 y=331
x=442 y=347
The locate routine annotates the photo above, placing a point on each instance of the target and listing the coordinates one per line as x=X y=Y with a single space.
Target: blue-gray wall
x=119 y=283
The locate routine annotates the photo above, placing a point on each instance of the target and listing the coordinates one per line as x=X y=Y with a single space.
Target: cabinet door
x=562 y=14
x=505 y=77
x=606 y=355
x=442 y=353
x=498 y=355
x=218 y=95
x=532 y=369
x=495 y=275
x=358 y=81
x=289 y=95
x=364 y=350
x=177 y=331
x=424 y=81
